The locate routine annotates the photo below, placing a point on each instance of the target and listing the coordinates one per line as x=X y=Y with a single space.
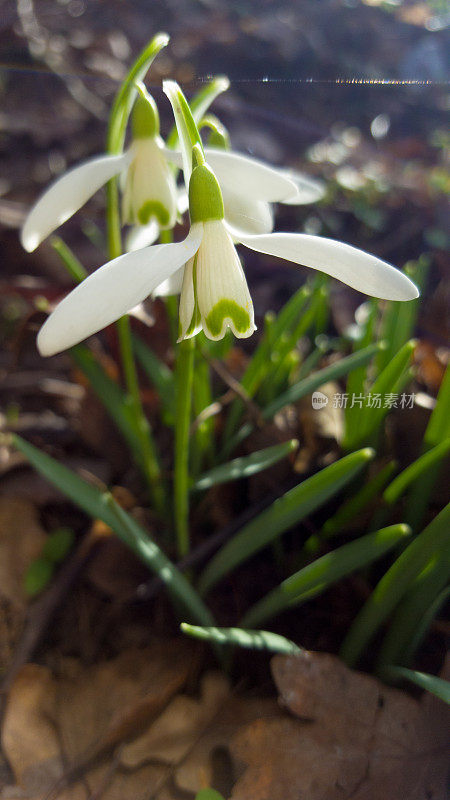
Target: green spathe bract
x=227 y=310
x=205 y=197
x=144 y=117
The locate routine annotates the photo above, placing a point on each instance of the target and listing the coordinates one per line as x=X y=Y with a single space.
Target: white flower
x=249 y=187
x=214 y=294
x=149 y=185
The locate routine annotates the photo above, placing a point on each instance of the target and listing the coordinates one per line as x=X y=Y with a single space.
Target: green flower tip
x=145 y=117
x=368 y=452
x=205 y=197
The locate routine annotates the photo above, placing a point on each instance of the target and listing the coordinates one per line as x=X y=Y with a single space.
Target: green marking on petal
x=227 y=310
x=153 y=208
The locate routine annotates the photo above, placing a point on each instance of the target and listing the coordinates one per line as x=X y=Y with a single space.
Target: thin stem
x=115 y=139
x=184 y=381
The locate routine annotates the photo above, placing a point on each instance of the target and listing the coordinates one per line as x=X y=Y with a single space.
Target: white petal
x=67 y=194
x=358 y=269
x=244 y=174
x=245 y=215
x=249 y=176
x=222 y=292
x=187 y=304
x=308 y=190
x=141 y=236
x=171 y=285
x=113 y=290
x=150 y=181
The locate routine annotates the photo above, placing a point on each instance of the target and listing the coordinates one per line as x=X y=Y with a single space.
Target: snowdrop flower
x=214 y=294
x=149 y=185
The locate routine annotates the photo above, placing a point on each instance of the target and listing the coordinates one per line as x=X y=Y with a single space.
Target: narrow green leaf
x=265 y=352
x=128 y=91
x=187 y=129
x=437 y=430
x=438 y=427
x=415 y=470
x=304 y=387
x=399 y=318
x=394 y=584
x=424 y=623
x=331 y=373
x=437 y=686
x=200 y=104
x=73 y=266
x=285 y=512
x=111 y=395
x=251 y=640
x=101 y=505
x=316 y=577
x=159 y=375
x=414 y=614
x=359 y=501
x=391 y=381
x=245 y=466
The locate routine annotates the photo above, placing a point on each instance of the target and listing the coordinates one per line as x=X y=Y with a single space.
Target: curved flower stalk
x=148 y=182
x=214 y=294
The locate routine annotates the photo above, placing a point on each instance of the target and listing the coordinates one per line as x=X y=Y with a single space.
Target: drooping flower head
x=150 y=191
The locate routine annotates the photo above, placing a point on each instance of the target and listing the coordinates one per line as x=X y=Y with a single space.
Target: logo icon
x=319 y=399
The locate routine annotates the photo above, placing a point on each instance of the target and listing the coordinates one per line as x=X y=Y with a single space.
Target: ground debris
x=349 y=737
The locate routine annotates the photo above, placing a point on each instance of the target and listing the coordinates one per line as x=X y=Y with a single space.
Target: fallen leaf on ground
x=21 y=541
x=350 y=737
x=61 y=726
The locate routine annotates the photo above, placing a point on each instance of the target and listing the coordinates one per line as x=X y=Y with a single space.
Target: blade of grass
x=285 y=512
x=437 y=686
x=390 y=382
x=101 y=505
x=399 y=319
x=394 y=584
x=250 y=640
x=245 y=466
x=304 y=387
x=437 y=430
x=275 y=327
x=73 y=266
x=184 y=372
x=316 y=577
x=406 y=628
x=424 y=623
x=350 y=510
x=159 y=375
x=415 y=470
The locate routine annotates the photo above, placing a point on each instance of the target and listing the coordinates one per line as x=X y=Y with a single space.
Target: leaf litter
x=131 y=728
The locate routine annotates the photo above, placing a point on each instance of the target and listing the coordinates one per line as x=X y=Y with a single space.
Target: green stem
x=115 y=139
x=184 y=381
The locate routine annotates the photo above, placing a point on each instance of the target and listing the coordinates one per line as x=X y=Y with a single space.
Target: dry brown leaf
x=351 y=737
x=55 y=726
x=177 y=729
x=209 y=759
x=21 y=541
